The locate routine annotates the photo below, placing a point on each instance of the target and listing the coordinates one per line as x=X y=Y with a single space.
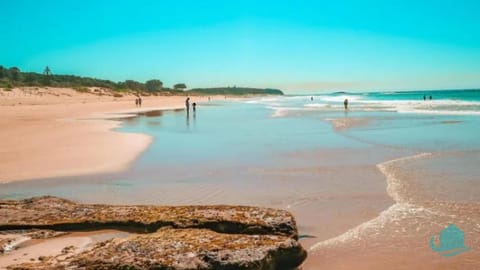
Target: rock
x=171 y=237
x=58 y=214
x=185 y=249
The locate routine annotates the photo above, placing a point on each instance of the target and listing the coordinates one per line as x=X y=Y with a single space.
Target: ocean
x=369 y=186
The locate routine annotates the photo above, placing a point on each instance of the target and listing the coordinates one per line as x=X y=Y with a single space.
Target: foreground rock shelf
x=171 y=237
x=59 y=214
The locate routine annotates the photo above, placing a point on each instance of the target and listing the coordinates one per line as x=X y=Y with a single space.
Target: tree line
x=14 y=77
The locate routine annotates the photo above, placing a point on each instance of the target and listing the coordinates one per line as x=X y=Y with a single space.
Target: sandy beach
x=54 y=132
x=368 y=189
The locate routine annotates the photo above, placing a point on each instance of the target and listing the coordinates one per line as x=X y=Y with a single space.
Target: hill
x=234 y=91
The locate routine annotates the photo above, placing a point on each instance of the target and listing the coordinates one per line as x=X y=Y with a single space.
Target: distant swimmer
x=430 y=97
x=187 y=104
x=424 y=97
x=345 y=103
x=194 y=106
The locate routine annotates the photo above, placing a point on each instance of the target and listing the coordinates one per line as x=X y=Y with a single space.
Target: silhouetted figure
x=187 y=104
x=139 y=102
x=424 y=97
x=47 y=71
x=430 y=97
x=311 y=98
x=194 y=106
x=345 y=104
x=136 y=102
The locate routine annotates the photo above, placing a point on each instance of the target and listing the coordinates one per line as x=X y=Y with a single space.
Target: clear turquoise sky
x=299 y=46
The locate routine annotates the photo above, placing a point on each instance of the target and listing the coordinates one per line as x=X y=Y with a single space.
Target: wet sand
x=400 y=237
x=57 y=132
x=32 y=250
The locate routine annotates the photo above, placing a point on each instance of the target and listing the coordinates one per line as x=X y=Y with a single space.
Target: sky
x=298 y=46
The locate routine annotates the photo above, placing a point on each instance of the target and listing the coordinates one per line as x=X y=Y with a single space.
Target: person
x=424 y=97
x=139 y=102
x=187 y=104
x=194 y=106
x=136 y=102
x=345 y=103
x=430 y=97
x=311 y=98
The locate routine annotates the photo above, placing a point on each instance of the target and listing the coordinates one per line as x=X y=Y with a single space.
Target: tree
x=29 y=77
x=153 y=85
x=14 y=73
x=180 y=86
x=134 y=85
x=3 y=72
x=46 y=71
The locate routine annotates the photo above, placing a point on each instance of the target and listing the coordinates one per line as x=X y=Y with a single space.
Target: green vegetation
x=13 y=77
x=153 y=85
x=82 y=89
x=180 y=86
x=234 y=91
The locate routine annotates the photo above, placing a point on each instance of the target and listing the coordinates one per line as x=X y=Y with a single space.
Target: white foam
x=361 y=103
x=340 y=98
x=396 y=212
x=317 y=105
x=400 y=210
x=280 y=112
x=439 y=112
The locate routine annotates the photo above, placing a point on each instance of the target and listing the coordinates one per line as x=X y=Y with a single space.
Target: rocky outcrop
x=54 y=213
x=170 y=237
x=185 y=249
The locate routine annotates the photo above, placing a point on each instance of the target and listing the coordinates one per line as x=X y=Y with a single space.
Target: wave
x=404 y=107
x=394 y=213
x=365 y=103
x=402 y=207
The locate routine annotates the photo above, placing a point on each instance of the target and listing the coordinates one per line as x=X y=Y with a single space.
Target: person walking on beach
x=139 y=102
x=136 y=102
x=187 y=104
x=345 y=103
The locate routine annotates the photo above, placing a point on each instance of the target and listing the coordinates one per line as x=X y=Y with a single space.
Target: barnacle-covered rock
x=184 y=249
x=164 y=237
x=54 y=213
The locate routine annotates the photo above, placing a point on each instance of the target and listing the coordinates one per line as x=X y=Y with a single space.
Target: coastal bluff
x=161 y=237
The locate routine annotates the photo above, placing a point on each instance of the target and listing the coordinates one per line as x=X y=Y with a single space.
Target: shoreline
x=73 y=134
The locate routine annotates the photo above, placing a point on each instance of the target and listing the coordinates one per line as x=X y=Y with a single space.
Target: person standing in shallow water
x=430 y=97
x=345 y=103
x=424 y=97
x=187 y=104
